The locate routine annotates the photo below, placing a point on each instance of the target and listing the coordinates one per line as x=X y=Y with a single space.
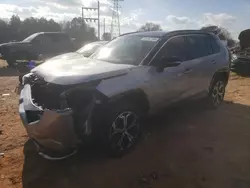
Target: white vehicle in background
x=88 y=49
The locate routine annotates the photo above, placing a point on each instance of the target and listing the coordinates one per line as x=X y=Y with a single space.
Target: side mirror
x=168 y=62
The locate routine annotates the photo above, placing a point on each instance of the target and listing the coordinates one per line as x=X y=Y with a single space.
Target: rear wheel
x=11 y=62
x=217 y=92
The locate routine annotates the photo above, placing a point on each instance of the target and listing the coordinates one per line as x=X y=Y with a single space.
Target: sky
x=170 y=14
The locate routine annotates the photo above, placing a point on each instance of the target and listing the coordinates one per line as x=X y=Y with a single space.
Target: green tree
x=106 y=36
x=79 y=30
x=4 y=31
x=16 y=29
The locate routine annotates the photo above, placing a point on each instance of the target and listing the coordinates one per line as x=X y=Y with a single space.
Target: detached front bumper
x=51 y=130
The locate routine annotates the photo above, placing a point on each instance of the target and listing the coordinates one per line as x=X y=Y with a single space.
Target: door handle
x=187 y=70
x=213 y=62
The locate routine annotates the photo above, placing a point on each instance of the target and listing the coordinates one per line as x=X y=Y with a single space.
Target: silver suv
x=66 y=102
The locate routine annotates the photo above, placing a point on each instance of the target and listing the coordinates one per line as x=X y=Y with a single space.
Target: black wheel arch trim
x=220 y=71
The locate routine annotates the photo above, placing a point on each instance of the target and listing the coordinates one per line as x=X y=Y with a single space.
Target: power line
x=93 y=19
x=115 y=23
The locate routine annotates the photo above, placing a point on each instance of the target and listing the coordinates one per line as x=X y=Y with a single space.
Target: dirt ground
x=184 y=147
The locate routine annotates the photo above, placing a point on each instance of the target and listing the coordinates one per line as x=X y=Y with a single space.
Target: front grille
x=45 y=94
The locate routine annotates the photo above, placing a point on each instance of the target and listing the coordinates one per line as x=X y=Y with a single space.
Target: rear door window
x=55 y=38
x=58 y=37
x=197 y=46
x=43 y=39
x=175 y=47
x=213 y=43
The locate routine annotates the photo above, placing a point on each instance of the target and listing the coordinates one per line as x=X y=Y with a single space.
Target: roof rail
x=128 y=33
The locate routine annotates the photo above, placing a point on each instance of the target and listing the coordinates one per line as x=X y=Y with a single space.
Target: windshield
x=89 y=48
x=130 y=49
x=31 y=37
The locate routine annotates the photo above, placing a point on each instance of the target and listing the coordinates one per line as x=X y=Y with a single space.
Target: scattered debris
x=14 y=180
x=2 y=176
x=1 y=154
x=5 y=94
x=229 y=102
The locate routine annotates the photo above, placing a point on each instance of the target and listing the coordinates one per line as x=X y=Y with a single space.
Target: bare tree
x=221 y=32
x=150 y=27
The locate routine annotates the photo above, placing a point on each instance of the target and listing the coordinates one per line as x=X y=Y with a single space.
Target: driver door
x=170 y=84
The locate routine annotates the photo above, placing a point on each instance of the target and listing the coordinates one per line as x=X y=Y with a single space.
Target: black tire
x=216 y=92
x=119 y=136
x=11 y=62
x=20 y=78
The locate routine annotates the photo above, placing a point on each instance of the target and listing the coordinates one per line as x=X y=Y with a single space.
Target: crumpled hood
x=66 y=71
x=67 y=56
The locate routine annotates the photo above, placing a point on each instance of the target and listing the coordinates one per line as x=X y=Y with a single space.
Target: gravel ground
x=182 y=147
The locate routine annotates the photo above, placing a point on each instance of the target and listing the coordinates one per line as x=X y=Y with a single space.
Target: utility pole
x=104 y=25
x=93 y=19
x=98 y=9
x=82 y=17
x=115 y=24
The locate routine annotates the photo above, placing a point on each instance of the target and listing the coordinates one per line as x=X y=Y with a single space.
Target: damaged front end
x=58 y=118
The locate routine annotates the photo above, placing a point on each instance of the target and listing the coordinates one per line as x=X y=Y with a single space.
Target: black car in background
x=241 y=54
x=87 y=50
x=45 y=44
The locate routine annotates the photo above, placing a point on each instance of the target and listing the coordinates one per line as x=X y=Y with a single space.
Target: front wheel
x=123 y=129
x=11 y=62
x=216 y=93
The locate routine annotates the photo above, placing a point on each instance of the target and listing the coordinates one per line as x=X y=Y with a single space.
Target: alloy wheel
x=124 y=131
x=218 y=92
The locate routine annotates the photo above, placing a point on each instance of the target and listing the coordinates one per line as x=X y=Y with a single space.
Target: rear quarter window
x=197 y=46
